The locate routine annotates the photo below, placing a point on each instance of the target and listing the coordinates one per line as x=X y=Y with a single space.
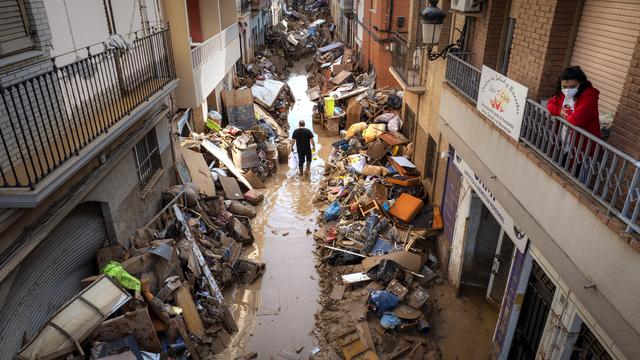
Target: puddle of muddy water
x=276 y=314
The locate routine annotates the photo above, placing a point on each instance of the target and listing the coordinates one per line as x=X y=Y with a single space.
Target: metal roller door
x=607 y=34
x=50 y=275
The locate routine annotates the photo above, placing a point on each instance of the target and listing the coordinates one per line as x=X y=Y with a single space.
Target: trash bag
x=332 y=212
x=293 y=161
x=387 y=271
x=383 y=301
x=357 y=162
x=117 y=272
x=390 y=321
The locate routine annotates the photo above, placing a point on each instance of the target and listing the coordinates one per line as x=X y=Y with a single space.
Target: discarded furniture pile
x=346 y=95
x=376 y=251
x=300 y=33
x=160 y=295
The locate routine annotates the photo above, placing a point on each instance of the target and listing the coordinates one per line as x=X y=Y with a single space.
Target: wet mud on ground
x=276 y=314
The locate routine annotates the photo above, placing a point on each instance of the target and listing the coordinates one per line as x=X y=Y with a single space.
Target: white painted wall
x=212 y=72
x=576 y=243
x=457 y=245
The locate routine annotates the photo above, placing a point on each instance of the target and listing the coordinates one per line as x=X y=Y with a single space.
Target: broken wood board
x=75 y=320
x=341 y=77
x=224 y=158
x=409 y=261
x=365 y=335
x=355 y=277
x=178 y=323
x=338 y=291
x=265 y=92
x=254 y=180
x=239 y=106
x=213 y=285
x=231 y=188
x=337 y=68
x=137 y=323
x=355 y=92
x=314 y=93
x=354 y=109
x=189 y=311
x=262 y=113
x=394 y=138
x=199 y=171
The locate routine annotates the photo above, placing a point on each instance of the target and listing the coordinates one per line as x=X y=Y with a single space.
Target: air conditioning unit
x=466 y=5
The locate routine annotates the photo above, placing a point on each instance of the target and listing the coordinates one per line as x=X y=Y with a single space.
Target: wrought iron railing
x=49 y=118
x=206 y=50
x=407 y=61
x=609 y=175
x=463 y=76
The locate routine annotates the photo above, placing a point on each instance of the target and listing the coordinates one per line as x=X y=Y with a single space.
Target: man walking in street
x=303 y=140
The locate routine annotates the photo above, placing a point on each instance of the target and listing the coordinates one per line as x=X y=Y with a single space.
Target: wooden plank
x=138 y=323
x=189 y=311
x=224 y=158
x=354 y=110
x=199 y=171
x=231 y=188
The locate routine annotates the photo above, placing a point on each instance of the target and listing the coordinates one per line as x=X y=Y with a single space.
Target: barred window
x=147 y=156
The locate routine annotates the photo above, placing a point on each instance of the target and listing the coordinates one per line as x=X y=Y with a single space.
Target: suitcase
x=406 y=207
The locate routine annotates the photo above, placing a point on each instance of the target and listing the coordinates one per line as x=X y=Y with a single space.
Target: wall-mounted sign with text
x=502 y=101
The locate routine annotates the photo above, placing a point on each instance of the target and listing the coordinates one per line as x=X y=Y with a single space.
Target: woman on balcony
x=576 y=101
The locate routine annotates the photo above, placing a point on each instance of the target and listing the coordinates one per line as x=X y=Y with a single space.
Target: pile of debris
x=159 y=294
x=375 y=247
x=346 y=95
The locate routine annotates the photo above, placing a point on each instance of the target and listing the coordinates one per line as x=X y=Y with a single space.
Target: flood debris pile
x=346 y=95
x=375 y=247
x=159 y=294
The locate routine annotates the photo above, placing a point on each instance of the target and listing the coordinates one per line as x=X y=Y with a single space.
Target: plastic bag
x=293 y=161
x=383 y=301
x=390 y=321
x=357 y=162
x=116 y=271
x=332 y=212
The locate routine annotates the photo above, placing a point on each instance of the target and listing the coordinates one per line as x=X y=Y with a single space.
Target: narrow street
x=276 y=314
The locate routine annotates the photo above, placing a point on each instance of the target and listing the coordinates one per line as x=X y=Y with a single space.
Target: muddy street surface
x=276 y=314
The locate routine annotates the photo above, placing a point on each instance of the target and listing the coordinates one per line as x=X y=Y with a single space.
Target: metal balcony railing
x=49 y=118
x=407 y=61
x=463 y=76
x=609 y=175
x=206 y=50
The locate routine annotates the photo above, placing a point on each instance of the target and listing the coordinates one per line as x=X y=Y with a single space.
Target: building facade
x=85 y=145
x=205 y=38
x=541 y=217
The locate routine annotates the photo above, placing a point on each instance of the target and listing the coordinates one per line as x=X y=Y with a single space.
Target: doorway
x=533 y=315
x=488 y=253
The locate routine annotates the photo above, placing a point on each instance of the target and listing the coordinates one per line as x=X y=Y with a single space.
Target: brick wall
x=542 y=36
x=626 y=125
x=374 y=42
x=487 y=34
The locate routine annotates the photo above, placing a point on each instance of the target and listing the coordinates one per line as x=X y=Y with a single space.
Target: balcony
x=608 y=175
x=51 y=121
x=208 y=49
x=406 y=65
x=243 y=6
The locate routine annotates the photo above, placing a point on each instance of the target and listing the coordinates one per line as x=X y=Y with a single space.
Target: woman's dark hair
x=574 y=73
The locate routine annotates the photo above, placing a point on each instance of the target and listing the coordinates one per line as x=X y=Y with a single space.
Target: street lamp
x=432 y=19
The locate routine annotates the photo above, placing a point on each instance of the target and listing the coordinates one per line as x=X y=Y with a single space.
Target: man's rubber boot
x=308 y=169
x=300 y=171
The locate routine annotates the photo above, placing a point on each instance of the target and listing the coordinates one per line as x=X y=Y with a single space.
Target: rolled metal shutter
x=50 y=275
x=607 y=34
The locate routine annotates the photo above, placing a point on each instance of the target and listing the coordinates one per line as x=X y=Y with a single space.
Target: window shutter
x=14 y=29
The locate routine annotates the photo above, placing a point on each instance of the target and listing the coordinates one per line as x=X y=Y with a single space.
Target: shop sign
x=502 y=101
x=515 y=234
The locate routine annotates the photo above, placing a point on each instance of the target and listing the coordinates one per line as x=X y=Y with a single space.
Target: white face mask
x=570 y=93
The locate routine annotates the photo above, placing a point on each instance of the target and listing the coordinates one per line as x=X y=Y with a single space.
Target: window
x=588 y=347
x=14 y=27
x=409 y=125
x=147 y=156
x=430 y=163
x=505 y=51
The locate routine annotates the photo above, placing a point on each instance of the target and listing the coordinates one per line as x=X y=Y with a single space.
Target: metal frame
x=49 y=118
